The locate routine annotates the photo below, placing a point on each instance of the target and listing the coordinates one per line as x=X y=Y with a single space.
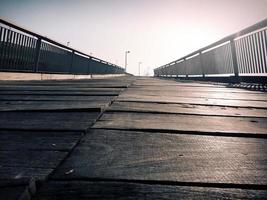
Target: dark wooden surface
x=163 y=108
x=58 y=190
x=155 y=139
x=167 y=157
x=42 y=121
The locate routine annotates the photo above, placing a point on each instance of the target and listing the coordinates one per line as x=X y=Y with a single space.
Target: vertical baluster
x=259 y=53
x=23 y=53
x=1 y=45
x=18 y=61
x=6 y=56
x=249 y=56
x=72 y=61
x=9 y=53
x=233 y=50
x=254 y=39
x=252 y=55
x=36 y=54
x=15 y=47
x=243 y=60
x=264 y=50
x=27 y=53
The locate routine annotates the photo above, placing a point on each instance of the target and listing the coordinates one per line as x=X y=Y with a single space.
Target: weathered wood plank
x=64 y=92
x=147 y=156
x=186 y=109
x=15 y=193
x=16 y=172
x=31 y=159
x=38 y=140
x=197 y=94
x=176 y=88
x=82 y=190
x=47 y=120
x=54 y=98
x=178 y=122
x=54 y=105
x=196 y=101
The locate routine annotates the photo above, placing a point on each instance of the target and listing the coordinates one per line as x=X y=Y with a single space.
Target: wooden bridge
x=126 y=137
x=131 y=138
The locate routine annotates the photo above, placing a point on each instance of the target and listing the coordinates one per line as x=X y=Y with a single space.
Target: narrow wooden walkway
x=131 y=138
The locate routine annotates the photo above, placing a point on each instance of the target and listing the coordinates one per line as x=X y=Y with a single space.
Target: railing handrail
x=46 y=39
x=245 y=31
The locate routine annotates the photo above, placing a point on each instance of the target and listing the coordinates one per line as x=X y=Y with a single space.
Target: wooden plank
x=31 y=159
x=38 y=140
x=187 y=123
x=47 y=120
x=82 y=190
x=197 y=94
x=22 y=88
x=15 y=193
x=195 y=101
x=54 y=98
x=195 y=89
x=53 y=105
x=15 y=172
x=93 y=84
x=70 y=84
x=143 y=156
x=186 y=109
x=63 y=91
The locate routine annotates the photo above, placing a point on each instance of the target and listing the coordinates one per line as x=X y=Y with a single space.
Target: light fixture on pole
x=139 y=67
x=126 y=52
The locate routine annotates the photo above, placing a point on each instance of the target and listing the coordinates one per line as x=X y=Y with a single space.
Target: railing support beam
x=234 y=57
x=37 y=54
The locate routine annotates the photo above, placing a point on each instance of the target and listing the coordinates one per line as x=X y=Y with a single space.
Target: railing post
x=201 y=64
x=233 y=50
x=37 y=54
x=89 y=62
x=71 y=61
x=186 y=75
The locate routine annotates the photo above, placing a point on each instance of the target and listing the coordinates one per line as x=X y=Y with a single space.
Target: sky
x=155 y=32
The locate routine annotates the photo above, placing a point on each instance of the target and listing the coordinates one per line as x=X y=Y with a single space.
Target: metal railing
x=24 y=51
x=240 y=54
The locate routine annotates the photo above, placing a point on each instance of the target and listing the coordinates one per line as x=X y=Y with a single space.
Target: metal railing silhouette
x=24 y=51
x=240 y=54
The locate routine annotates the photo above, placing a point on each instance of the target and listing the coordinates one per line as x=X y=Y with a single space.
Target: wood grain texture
x=54 y=105
x=178 y=122
x=167 y=157
x=15 y=172
x=57 y=190
x=54 y=98
x=61 y=91
x=38 y=140
x=178 y=88
x=195 y=101
x=27 y=154
x=186 y=109
x=15 y=193
x=198 y=94
x=47 y=120
x=31 y=159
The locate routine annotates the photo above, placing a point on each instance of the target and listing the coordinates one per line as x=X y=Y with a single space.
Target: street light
x=139 y=67
x=126 y=52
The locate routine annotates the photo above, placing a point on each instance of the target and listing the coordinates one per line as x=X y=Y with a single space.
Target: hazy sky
x=155 y=31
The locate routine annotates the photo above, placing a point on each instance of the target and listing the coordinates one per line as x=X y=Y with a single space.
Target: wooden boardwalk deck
x=131 y=138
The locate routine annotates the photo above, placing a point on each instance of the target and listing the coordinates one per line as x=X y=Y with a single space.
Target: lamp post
x=139 y=67
x=126 y=52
